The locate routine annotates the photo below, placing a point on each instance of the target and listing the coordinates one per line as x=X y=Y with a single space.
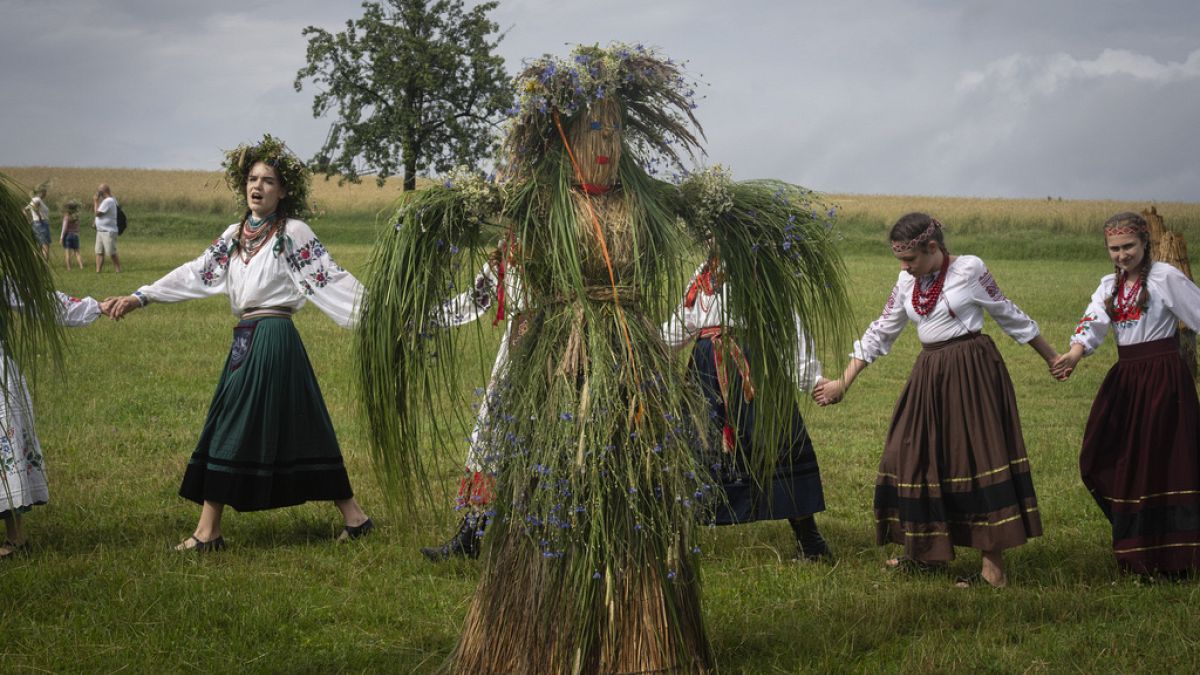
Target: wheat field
x=161 y=191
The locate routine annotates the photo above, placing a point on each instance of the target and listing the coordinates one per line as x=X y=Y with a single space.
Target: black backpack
x=122 y=223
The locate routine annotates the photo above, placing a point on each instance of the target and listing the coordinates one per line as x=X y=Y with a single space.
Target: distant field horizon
x=1046 y=227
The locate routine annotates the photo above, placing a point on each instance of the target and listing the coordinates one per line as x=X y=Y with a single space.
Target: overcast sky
x=1079 y=99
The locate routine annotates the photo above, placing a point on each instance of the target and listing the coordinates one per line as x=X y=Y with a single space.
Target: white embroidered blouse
x=289 y=271
x=76 y=312
x=472 y=305
x=967 y=292
x=1173 y=298
x=708 y=311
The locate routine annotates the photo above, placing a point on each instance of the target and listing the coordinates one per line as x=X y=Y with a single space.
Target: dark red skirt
x=954 y=470
x=1141 y=458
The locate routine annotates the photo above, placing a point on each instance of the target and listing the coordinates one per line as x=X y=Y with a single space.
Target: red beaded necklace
x=923 y=302
x=1127 y=296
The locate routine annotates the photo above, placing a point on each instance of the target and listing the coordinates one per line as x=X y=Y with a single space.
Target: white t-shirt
x=41 y=213
x=107 y=221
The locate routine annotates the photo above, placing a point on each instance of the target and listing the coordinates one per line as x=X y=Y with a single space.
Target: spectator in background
x=70 y=234
x=105 y=207
x=39 y=215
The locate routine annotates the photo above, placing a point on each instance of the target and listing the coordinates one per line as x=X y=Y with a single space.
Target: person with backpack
x=106 y=208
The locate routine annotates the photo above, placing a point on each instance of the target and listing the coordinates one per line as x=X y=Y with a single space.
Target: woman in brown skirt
x=954 y=470
x=1141 y=447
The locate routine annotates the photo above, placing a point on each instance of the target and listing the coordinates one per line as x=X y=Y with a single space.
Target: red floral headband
x=1118 y=230
x=902 y=246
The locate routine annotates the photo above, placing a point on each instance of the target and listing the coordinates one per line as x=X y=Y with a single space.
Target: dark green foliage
x=415 y=84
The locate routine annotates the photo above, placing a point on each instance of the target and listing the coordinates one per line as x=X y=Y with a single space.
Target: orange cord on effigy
x=612 y=279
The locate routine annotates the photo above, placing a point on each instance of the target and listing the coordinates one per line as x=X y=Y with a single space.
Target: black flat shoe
x=192 y=544
x=464 y=543
x=354 y=532
x=813 y=553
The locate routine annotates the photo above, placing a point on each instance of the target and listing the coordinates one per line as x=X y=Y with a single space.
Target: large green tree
x=416 y=85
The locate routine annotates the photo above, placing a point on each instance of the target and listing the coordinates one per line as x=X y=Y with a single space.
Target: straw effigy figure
x=590 y=560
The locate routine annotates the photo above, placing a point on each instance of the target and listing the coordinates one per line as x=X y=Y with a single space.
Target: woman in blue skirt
x=268 y=440
x=722 y=371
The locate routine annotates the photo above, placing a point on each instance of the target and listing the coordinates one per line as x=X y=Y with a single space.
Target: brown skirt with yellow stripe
x=954 y=470
x=1141 y=458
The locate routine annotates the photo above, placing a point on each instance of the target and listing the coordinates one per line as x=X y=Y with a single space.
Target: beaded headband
x=902 y=246
x=1118 y=230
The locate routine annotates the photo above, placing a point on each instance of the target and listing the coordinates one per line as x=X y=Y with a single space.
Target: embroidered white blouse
x=708 y=311
x=967 y=292
x=289 y=271
x=1173 y=298
x=472 y=305
x=76 y=312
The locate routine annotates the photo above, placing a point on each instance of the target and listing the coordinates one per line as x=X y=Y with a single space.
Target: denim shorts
x=71 y=241
x=41 y=232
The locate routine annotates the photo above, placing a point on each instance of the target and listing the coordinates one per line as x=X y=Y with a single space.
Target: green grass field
x=102 y=591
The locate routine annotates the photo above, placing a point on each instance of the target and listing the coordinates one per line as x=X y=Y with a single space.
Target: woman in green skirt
x=268 y=440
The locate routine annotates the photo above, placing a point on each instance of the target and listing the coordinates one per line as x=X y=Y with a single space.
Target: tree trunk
x=410 y=171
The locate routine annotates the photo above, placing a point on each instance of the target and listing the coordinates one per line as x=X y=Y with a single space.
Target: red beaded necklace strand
x=1127 y=297
x=923 y=302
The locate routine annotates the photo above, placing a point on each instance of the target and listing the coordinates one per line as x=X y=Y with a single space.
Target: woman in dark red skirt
x=954 y=470
x=1141 y=447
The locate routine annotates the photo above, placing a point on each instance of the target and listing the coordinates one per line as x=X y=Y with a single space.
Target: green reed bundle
x=595 y=435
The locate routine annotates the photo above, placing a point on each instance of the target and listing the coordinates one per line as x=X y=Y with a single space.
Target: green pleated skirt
x=268 y=440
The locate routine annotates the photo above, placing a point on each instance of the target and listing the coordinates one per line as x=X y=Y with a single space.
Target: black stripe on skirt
x=954 y=470
x=1141 y=458
x=268 y=440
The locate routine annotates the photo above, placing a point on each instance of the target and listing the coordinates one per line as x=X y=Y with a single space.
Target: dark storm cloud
x=1078 y=99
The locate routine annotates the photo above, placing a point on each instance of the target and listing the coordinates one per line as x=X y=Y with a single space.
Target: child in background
x=70 y=234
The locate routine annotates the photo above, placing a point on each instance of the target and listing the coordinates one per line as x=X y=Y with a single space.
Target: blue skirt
x=795 y=488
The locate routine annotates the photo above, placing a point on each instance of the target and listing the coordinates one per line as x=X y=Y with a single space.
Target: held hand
x=1064 y=365
x=829 y=392
x=119 y=306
